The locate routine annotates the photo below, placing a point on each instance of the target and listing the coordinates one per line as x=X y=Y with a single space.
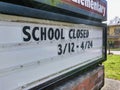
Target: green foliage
x=112 y=67
x=55 y=2
x=52 y=2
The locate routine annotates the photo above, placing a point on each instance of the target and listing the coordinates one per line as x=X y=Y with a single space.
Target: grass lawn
x=112 y=67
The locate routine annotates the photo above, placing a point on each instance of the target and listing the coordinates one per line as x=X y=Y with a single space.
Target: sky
x=113 y=9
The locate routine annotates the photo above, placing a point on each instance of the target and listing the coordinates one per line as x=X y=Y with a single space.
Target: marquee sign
x=53 y=49
x=46 y=41
x=45 y=45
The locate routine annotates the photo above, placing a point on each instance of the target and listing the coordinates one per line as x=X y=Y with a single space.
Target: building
x=114 y=35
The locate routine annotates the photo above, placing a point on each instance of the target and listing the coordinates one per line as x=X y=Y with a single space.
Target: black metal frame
x=13 y=9
x=105 y=42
